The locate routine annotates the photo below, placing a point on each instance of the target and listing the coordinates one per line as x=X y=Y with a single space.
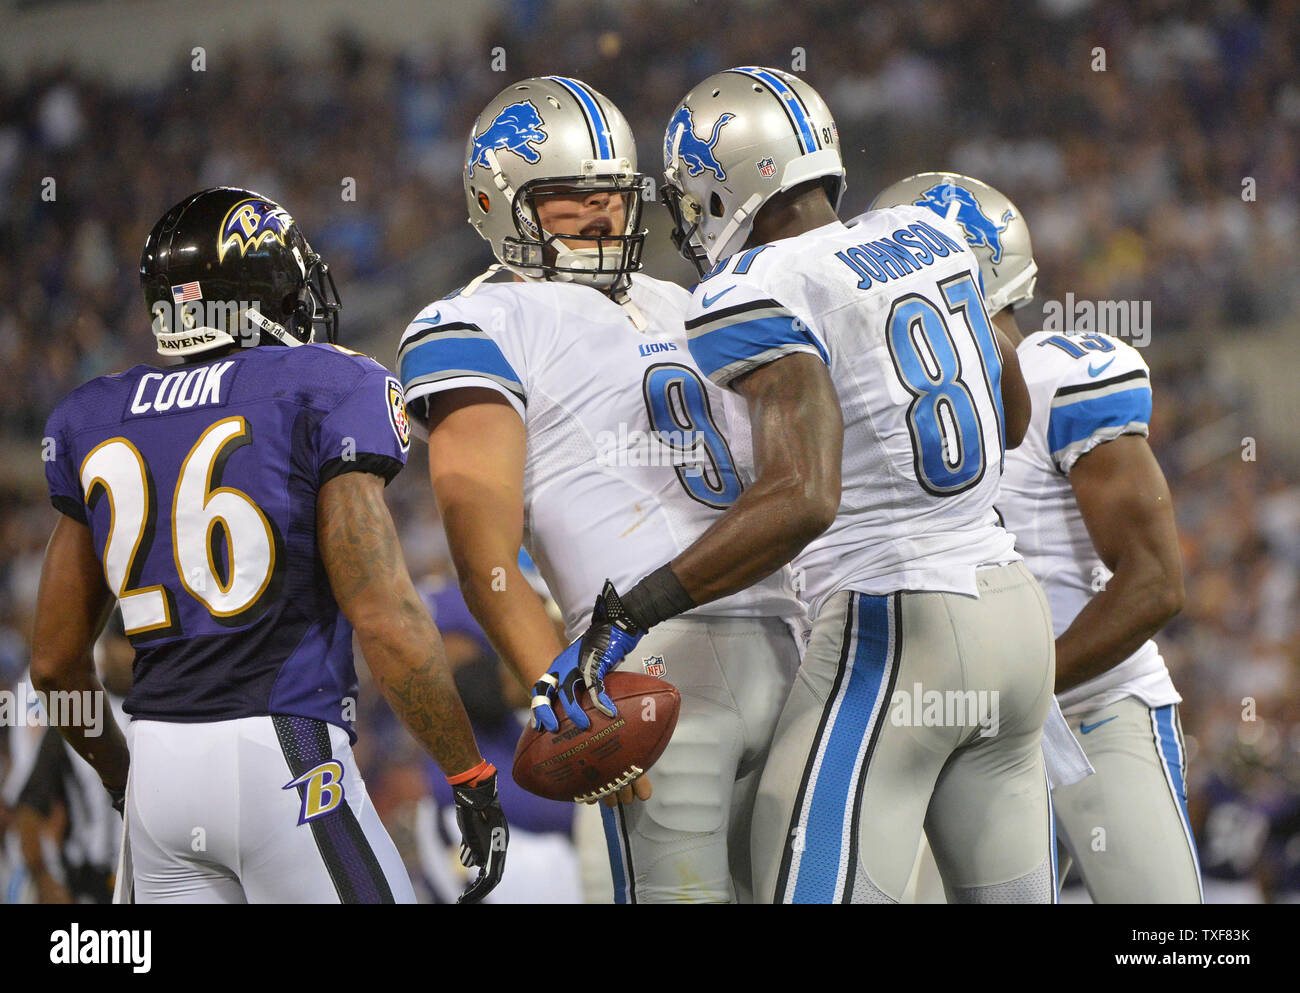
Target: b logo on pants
x=322 y=790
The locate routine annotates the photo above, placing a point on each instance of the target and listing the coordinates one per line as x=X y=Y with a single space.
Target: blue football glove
x=602 y=646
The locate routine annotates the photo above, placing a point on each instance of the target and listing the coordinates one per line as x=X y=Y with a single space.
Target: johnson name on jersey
x=893 y=307
x=1086 y=389
x=199 y=485
x=628 y=458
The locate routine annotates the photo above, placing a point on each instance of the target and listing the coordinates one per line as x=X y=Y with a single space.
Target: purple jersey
x=199 y=484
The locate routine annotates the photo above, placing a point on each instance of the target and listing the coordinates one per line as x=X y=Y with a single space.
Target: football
x=573 y=764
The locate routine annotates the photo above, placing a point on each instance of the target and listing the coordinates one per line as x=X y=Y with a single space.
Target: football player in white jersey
x=921 y=697
x=563 y=410
x=1091 y=513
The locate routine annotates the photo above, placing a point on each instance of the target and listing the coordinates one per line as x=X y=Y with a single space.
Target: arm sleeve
x=367 y=431
x=750 y=329
x=1089 y=409
x=443 y=351
x=60 y=471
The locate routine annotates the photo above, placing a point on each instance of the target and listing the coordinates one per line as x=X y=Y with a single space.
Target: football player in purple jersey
x=232 y=507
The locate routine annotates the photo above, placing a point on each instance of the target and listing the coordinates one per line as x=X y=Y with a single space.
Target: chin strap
x=586 y=259
x=632 y=310
x=276 y=331
x=737 y=229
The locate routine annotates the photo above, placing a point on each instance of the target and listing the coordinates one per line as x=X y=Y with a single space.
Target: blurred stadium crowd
x=1131 y=178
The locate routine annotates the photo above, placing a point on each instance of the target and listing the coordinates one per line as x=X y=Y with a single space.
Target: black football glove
x=484 y=835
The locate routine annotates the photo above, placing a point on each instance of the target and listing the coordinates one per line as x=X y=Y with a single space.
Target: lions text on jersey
x=628 y=458
x=893 y=308
x=628 y=461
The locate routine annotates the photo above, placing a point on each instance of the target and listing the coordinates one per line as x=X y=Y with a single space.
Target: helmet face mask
x=685 y=212
x=600 y=260
x=324 y=300
x=228 y=266
x=554 y=137
x=735 y=141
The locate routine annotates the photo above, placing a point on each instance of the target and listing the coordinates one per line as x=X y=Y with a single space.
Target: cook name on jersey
x=199 y=485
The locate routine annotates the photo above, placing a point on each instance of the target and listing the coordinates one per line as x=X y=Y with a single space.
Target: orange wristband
x=474 y=776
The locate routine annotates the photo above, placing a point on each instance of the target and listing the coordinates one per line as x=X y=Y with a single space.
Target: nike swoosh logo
x=709 y=301
x=1098 y=372
x=1089 y=728
x=437 y=316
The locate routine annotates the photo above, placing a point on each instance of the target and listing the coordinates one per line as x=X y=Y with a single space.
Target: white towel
x=1067 y=763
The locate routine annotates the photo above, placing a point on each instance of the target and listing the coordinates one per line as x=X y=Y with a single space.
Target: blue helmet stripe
x=595 y=118
x=791 y=100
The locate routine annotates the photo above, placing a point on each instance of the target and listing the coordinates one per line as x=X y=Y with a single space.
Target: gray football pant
x=1127 y=825
x=690 y=841
x=910 y=711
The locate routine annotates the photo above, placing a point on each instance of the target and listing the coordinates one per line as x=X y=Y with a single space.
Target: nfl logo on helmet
x=767 y=167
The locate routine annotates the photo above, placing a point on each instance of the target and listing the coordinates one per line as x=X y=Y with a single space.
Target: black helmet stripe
x=598 y=129
x=766 y=79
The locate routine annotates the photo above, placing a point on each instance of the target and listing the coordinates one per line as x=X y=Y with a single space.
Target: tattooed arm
x=368 y=575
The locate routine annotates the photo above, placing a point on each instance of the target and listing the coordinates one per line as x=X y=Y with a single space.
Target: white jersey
x=628 y=459
x=892 y=306
x=1086 y=389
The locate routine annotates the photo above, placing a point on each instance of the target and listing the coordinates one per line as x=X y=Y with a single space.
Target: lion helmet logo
x=978 y=226
x=695 y=151
x=516 y=129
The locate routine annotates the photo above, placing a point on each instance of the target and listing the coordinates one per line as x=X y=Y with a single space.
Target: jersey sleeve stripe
x=462 y=352
x=413 y=388
x=1082 y=391
x=417 y=396
x=728 y=351
x=451 y=330
x=753 y=308
x=1078 y=427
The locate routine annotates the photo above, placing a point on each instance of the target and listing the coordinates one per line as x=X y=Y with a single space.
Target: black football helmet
x=229 y=266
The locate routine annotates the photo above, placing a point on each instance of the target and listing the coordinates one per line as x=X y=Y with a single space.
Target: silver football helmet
x=994 y=228
x=734 y=142
x=553 y=135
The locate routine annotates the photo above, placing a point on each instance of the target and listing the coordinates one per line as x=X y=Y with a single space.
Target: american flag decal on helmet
x=186 y=292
